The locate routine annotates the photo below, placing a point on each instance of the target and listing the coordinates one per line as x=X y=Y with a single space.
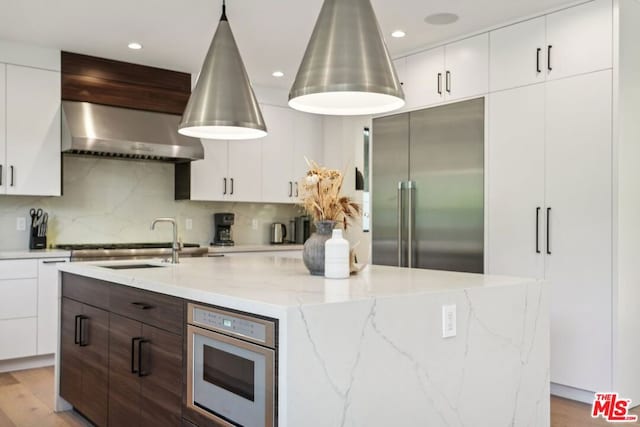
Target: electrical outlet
x=188 y=224
x=448 y=321
x=254 y=224
x=21 y=223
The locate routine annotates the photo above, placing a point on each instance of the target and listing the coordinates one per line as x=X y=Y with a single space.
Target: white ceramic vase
x=336 y=256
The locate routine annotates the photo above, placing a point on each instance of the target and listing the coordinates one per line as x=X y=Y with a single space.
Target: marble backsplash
x=113 y=201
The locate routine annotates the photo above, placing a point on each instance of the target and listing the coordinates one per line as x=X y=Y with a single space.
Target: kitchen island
x=369 y=350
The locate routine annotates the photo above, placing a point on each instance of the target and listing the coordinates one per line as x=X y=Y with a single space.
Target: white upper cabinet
x=245 y=171
x=518 y=55
x=33 y=158
x=580 y=39
x=467 y=68
x=277 y=154
x=209 y=176
x=3 y=130
x=400 y=65
x=424 y=78
x=307 y=143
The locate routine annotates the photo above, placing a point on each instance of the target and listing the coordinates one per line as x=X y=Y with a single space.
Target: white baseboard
x=567 y=392
x=26 y=363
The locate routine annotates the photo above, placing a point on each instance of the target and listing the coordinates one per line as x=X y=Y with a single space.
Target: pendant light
x=346 y=69
x=223 y=105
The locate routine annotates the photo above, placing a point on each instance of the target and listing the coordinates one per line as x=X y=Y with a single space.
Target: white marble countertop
x=254 y=248
x=35 y=253
x=269 y=286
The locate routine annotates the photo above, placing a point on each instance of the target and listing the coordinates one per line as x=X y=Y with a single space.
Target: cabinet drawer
x=154 y=309
x=19 y=269
x=18 y=338
x=18 y=298
x=87 y=290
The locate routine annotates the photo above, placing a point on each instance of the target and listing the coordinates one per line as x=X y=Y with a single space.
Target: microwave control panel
x=230 y=323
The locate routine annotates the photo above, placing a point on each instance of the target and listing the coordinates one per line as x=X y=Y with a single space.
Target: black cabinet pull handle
x=538 y=60
x=290 y=189
x=141 y=372
x=81 y=340
x=296 y=189
x=76 y=338
x=59 y=261
x=0 y=175
x=538 y=230
x=439 y=83
x=549 y=58
x=133 y=350
x=548 y=233
x=225 y=186
x=142 y=306
x=448 y=83
x=231 y=186
x=11 y=167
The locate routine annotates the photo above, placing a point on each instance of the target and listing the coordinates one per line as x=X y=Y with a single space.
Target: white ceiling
x=271 y=34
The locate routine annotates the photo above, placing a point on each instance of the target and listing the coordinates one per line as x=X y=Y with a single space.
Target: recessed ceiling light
x=277 y=74
x=441 y=18
x=398 y=34
x=135 y=46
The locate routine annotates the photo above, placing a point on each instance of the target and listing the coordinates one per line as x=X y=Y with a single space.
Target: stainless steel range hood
x=100 y=130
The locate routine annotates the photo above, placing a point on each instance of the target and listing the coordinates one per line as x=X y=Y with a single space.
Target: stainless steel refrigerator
x=428 y=188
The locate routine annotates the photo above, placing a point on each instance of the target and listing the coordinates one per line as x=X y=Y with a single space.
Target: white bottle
x=336 y=256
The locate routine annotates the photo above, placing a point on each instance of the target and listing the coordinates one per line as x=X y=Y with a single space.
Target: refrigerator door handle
x=399 y=213
x=410 y=208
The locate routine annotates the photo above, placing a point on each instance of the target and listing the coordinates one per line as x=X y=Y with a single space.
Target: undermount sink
x=131 y=266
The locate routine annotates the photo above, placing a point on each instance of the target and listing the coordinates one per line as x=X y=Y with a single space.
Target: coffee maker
x=222 y=223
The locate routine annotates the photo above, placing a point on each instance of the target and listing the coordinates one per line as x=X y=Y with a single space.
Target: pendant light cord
x=224 y=11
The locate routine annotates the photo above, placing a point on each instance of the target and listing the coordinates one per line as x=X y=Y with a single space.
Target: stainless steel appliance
x=231 y=367
x=128 y=251
x=278 y=233
x=428 y=188
x=303 y=229
x=222 y=223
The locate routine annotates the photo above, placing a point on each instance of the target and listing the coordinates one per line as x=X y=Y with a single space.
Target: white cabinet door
x=21 y=334
x=3 y=130
x=48 y=300
x=33 y=131
x=424 y=81
x=277 y=155
x=245 y=170
x=579 y=194
x=208 y=176
x=467 y=65
x=581 y=39
x=307 y=144
x=515 y=174
x=18 y=298
x=400 y=65
x=518 y=55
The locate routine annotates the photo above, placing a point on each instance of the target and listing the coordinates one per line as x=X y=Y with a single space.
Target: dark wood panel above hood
x=121 y=84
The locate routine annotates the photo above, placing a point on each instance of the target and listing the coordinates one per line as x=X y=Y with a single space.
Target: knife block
x=35 y=241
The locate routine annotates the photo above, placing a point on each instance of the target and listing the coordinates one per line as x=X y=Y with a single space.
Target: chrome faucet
x=176 y=244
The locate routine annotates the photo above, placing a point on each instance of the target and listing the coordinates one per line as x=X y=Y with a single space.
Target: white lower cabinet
x=29 y=294
x=550 y=154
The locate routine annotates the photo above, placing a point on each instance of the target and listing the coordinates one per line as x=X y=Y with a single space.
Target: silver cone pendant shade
x=223 y=105
x=346 y=69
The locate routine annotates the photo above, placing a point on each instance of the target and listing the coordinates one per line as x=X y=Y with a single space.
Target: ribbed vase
x=313 y=252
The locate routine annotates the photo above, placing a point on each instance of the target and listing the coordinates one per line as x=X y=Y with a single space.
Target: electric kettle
x=278 y=233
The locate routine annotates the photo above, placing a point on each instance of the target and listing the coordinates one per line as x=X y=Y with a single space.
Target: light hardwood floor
x=26 y=400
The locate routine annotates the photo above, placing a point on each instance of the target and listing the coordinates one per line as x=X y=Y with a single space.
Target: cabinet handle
x=549 y=58
x=133 y=350
x=538 y=60
x=142 y=306
x=0 y=175
x=296 y=189
x=76 y=338
x=231 y=186
x=141 y=372
x=538 y=230
x=290 y=189
x=11 y=168
x=57 y=261
x=82 y=341
x=448 y=83
x=439 y=83
x=225 y=186
x=548 y=233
